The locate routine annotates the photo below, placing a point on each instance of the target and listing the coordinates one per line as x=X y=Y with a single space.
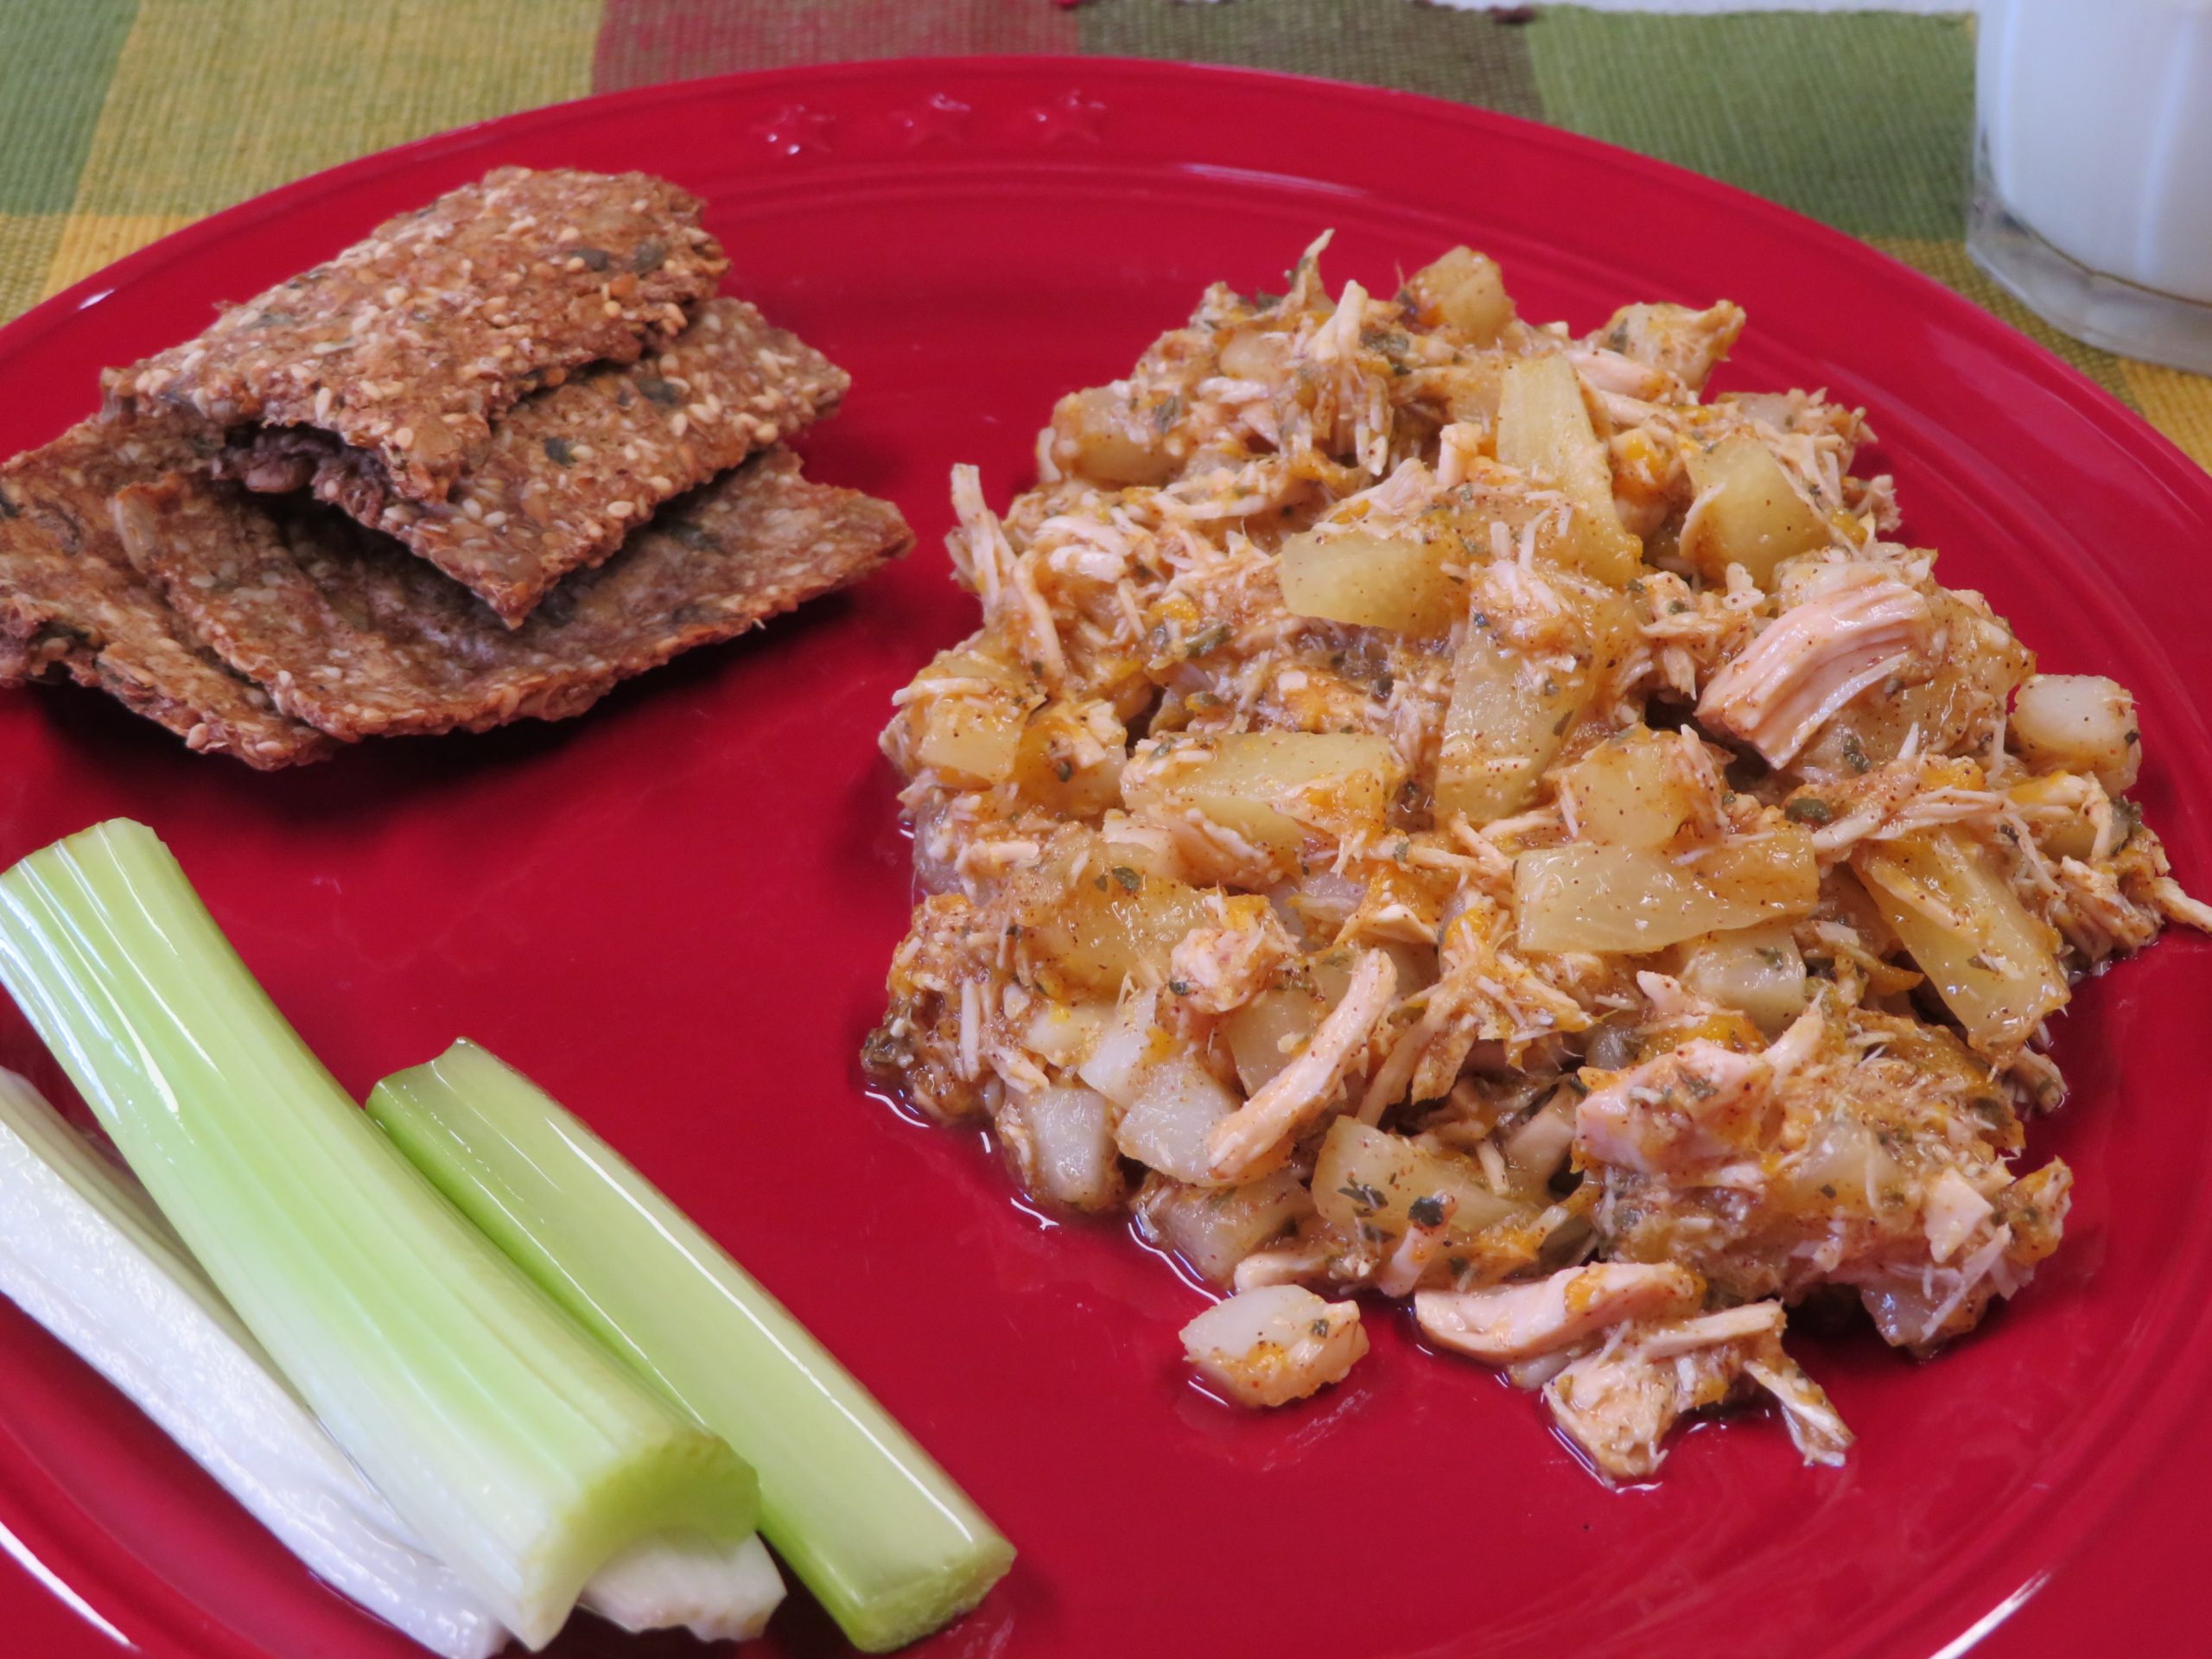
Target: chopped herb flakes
x=1368 y=1199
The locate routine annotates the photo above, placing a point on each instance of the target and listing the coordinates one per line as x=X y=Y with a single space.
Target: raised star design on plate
x=1069 y=118
x=794 y=130
x=938 y=118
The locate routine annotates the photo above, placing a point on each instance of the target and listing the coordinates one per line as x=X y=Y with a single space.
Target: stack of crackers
x=508 y=451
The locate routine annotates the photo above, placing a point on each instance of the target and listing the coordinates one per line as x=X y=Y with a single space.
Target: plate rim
x=2160 y=459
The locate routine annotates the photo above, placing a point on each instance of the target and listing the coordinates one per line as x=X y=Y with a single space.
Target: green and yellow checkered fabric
x=122 y=120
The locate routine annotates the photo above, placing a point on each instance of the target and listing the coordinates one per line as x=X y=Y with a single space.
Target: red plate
x=676 y=913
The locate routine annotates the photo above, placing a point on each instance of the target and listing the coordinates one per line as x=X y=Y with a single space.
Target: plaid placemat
x=121 y=120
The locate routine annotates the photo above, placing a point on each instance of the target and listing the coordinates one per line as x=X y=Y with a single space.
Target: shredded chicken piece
x=1286 y=1264
x=1953 y=1211
x=1696 y=1105
x=1815 y=1428
x=1243 y=1140
x=1685 y=344
x=1619 y=1401
x=1861 y=627
x=1219 y=969
x=1424 y=1241
x=2167 y=894
x=1517 y=1322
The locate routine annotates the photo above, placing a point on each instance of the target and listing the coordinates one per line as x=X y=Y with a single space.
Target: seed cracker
x=411 y=343
x=72 y=607
x=352 y=634
x=573 y=469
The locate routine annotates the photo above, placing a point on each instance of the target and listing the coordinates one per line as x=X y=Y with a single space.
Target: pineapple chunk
x=1465 y=291
x=1264 y=784
x=1060 y=765
x=1266 y=1033
x=1367 y=1178
x=1995 y=966
x=1214 y=1228
x=1748 y=513
x=1507 y=720
x=1543 y=428
x=2079 y=722
x=1269 y=1346
x=969 y=735
x=1756 y=970
x=1176 y=1105
x=1635 y=790
x=1592 y=897
x=1100 y=928
x=1061 y=1141
x=1375 y=581
x=1112 y=443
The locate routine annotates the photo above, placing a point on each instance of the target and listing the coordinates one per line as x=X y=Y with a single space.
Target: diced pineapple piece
x=1097 y=929
x=1507 y=720
x=969 y=734
x=1113 y=443
x=1590 y=897
x=2079 y=722
x=1169 y=1101
x=970 y=740
x=1367 y=1178
x=1126 y=1046
x=1635 y=790
x=1060 y=765
x=1375 y=582
x=1266 y=1033
x=1215 y=1228
x=1747 y=513
x=1773 y=874
x=1063 y=1139
x=1995 y=966
x=1176 y=1107
x=1465 y=290
x=2057 y=802
x=1269 y=1346
x=1251 y=354
x=1262 y=784
x=1543 y=428
x=1757 y=971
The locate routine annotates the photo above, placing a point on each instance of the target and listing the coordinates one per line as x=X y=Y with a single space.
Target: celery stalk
x=509 y=1442
x=84 y=1252
x=880 y=1535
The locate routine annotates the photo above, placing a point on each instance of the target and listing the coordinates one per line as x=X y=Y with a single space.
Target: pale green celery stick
x=509 y=1442
x=880 y=1535
x=84 y=1252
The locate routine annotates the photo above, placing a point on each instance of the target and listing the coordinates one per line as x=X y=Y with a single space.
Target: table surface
x=124 y=119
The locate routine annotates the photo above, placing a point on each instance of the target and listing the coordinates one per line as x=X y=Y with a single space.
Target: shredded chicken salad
x=1438 y=807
